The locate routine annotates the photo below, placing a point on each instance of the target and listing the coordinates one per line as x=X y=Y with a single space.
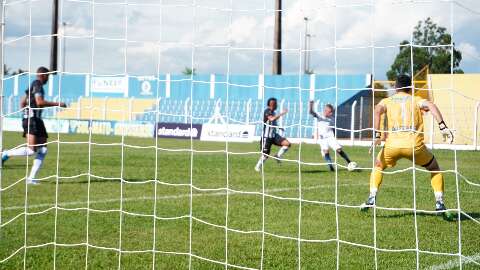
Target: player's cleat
x=368 y=204
x=440 y=206
x=32 y=181
x=442 y=210
x=277 y=158
x=258 y=168
x=330 y=166
x=4 y=157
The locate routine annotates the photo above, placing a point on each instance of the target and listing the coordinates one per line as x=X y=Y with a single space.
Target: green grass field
x=58 y=237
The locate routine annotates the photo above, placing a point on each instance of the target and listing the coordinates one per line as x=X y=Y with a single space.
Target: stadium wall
x=121 y=99
x=458 y=98
x=210 y=86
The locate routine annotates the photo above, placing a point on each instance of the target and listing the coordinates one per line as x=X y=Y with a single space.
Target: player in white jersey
x=326 y=133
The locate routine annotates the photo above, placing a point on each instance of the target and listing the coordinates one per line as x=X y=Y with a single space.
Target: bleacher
x=185 y=100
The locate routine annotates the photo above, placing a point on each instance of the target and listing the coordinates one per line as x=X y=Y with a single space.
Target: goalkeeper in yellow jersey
x=405 y=138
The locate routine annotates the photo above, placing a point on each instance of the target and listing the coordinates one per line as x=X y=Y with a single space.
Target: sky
x=147 y=37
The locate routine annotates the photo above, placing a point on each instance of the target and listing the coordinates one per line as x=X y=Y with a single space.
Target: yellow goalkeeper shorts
x=389 y=156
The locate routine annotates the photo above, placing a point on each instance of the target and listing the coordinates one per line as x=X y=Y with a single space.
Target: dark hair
x=42 y=70
x=403 y=83
x=270 y=100
x=330 y=106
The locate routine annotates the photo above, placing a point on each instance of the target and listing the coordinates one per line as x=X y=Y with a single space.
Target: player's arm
x=37 y=92
x=447 y=134
x=379 y=110
x=23 y=102
x=41 y=102
x=272 y=117
x=311 y=110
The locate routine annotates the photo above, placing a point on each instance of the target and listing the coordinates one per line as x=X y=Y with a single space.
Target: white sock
x=282 y=151
x=19 y=152
x=37 y=162
x=439 y=196
x=373 y=192
x=260 y=162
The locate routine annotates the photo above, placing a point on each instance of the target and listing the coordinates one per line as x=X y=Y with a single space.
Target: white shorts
x=330 y=142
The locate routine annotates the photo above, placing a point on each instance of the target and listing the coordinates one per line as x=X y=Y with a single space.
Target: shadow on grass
x=96 y=180
x=463 y=217
x=316 y=171
x=14 y=166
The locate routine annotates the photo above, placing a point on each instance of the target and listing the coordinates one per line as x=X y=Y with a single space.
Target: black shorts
x=34 y=126
x=266 y=143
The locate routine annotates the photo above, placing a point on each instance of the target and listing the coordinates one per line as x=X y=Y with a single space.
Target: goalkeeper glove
x=447 y=134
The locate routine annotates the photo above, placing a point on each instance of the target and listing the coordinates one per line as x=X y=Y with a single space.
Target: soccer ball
x=352 y=166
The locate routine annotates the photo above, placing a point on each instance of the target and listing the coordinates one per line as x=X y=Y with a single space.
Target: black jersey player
x=33 y=127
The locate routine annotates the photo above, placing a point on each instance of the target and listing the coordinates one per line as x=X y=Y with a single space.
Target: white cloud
x=389 y=22
x=469 y=52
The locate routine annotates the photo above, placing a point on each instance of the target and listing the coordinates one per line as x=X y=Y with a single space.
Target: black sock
x=344 y=156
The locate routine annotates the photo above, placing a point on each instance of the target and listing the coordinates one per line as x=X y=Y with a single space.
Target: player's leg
x=328 y=159
x=386 y=158
x=265 y=147
x=24 y=150
x=284 y=146
x=425 y=158
x=17 y=152
x=344 y=155
x=333 y=143
x=41 y=150
x=326 y=154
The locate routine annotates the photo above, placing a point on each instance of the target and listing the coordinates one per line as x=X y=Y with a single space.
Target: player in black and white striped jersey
x=270 y=134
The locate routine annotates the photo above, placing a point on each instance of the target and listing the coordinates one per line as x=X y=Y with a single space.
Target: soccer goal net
x=221 y=134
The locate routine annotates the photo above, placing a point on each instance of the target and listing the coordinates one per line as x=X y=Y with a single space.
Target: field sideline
x=139 y=215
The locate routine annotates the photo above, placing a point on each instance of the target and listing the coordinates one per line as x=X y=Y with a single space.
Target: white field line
x=167 y=197
x=145 y=198
x=455 y=263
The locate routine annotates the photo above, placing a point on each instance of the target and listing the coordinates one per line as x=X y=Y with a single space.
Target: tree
x=6 y=70
x=437 y=56
x=188 y=71
x=19 y=71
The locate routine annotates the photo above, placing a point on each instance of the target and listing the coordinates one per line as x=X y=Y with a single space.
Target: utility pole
x=308 y=54
x=305 y=53
x=64 y=45
x=54 y=42
x=277 y=39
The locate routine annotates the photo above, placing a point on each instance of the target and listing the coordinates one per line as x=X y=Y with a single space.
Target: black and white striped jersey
x=269 y=127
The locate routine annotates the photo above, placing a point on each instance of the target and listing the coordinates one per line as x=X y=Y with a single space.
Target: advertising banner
x=56 y=126
x=232 y=133
x=12 y=124
x=178 y=131
x=109 y=85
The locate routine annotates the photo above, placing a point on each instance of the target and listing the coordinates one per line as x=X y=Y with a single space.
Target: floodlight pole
x=277 y=39
x=54 y=41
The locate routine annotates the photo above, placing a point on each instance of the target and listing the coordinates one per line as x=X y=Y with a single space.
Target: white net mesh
x=143 y=198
